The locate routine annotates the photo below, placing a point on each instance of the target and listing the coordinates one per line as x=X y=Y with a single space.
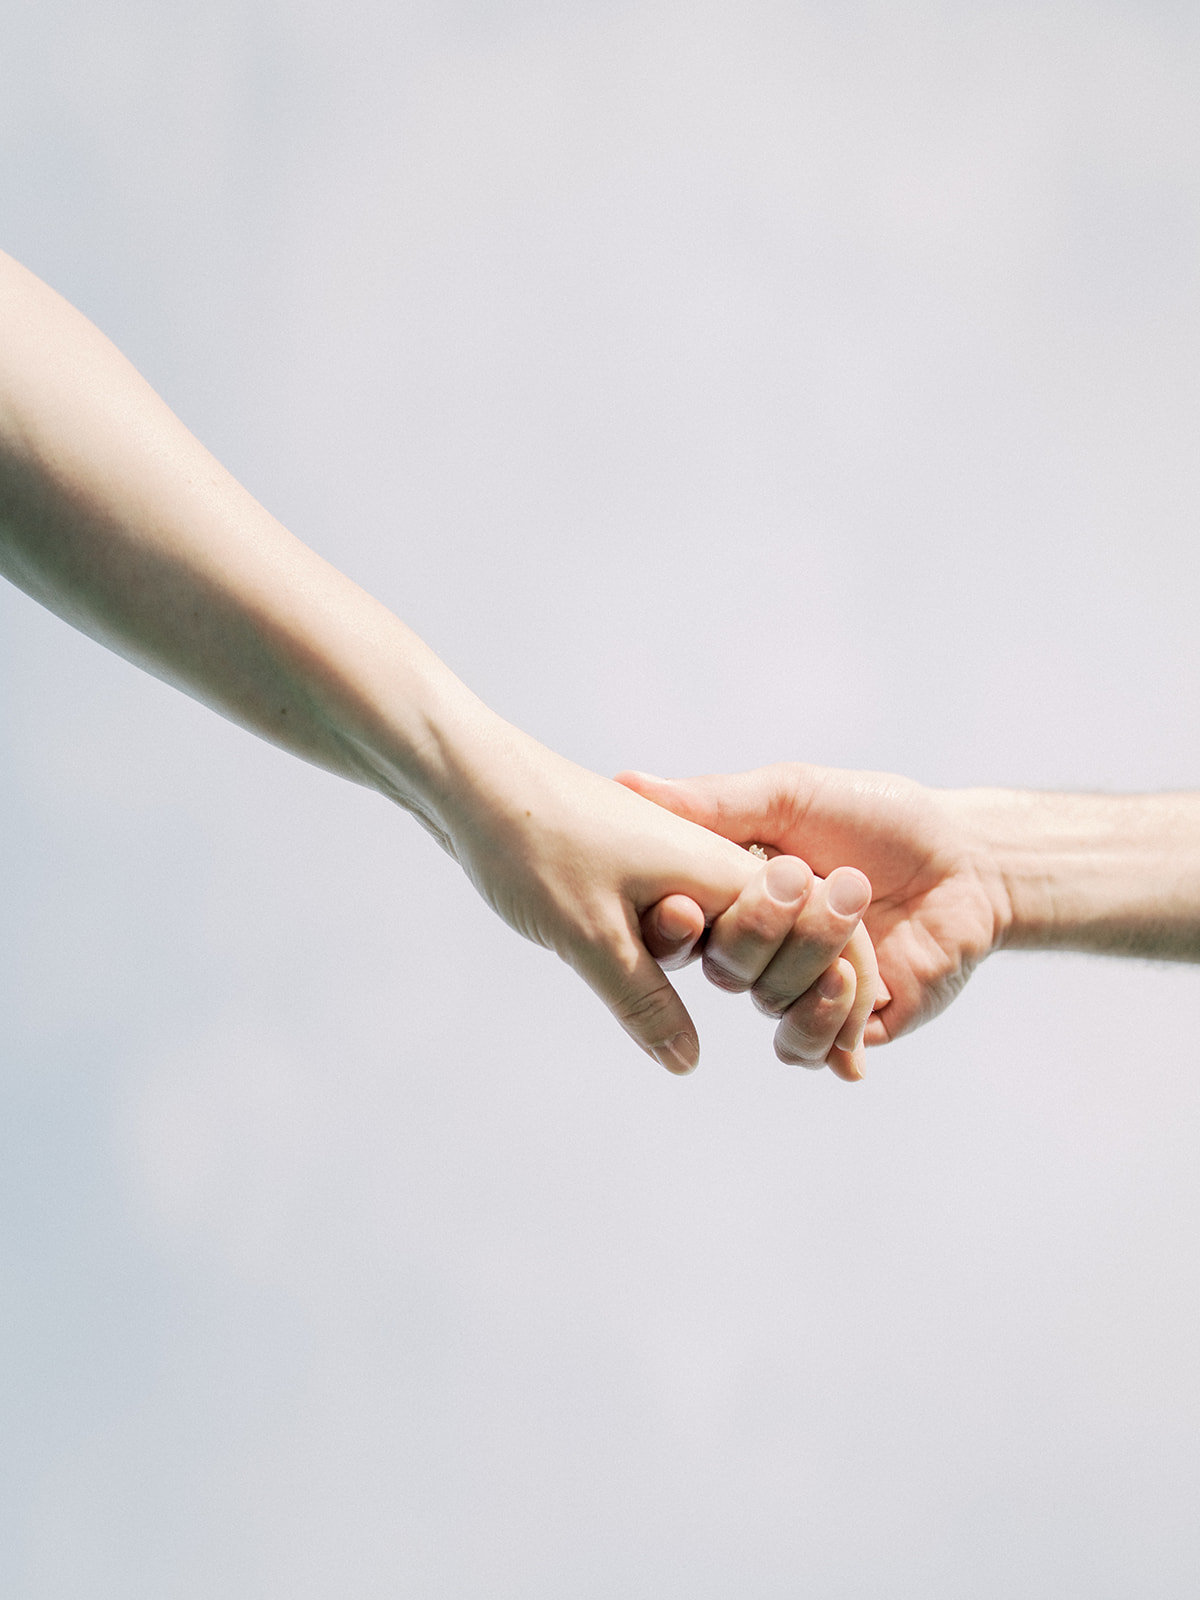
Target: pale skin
x=114 y=516
x=956 y=874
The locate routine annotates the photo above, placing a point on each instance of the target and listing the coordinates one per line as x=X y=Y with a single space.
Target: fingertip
x=722 y=977
x=680 y=918
x=641 y=998
x=848 y=891
x=787 y=879
x=808 y=1028
x=680 y=1054
x=848 y=1065
x=831 y=985
x=849 y=1038
x=671 y=929
x=876 y=1033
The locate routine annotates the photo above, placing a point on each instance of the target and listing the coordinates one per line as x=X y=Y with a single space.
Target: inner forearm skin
x=115 y=517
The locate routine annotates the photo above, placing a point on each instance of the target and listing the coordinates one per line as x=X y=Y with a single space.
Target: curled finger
x=827 y=923
x=672 y=929
x=744 y=940
x=808 y=1030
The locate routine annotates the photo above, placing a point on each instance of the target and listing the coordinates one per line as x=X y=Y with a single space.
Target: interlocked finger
x=808 y=1029
x=744 y=940
x=746 y=943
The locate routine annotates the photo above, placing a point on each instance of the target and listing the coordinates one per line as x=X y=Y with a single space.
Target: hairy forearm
x=115 y=517
x=1117 y=874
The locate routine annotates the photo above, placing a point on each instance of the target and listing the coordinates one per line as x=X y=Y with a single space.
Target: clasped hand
x=870 y=915
x=935 y=909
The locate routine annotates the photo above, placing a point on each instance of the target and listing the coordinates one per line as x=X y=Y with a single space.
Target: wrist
x=424 y=751
x=423 y=740
x=982 y=821
x=389 y=714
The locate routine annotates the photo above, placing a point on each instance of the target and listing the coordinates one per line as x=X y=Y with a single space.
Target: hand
x=573 y=861
x=938 y=906
x=788 y=934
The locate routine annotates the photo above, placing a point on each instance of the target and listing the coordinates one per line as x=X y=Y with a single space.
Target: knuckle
x=676 y=960
x=721 y=977
x=762 y=923
x=792 y=1057
x=790 y=1044
x=637 y=993
x=637 y=1008
x=816 y=938
x=770 y=1003
x=806 y=1032
x=791 y=976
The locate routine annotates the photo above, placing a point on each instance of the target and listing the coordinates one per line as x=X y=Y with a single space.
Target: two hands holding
x=876 y=901
x=794 y=940
x=879 y=898
x=885 y=895
x=873 y=908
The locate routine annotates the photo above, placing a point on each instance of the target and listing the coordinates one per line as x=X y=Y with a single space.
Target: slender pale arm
x=115 y=517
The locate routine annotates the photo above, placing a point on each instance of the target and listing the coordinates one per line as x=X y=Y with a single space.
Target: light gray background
x=709 y=384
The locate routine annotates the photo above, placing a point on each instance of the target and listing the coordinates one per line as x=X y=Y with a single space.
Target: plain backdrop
x=709 y=385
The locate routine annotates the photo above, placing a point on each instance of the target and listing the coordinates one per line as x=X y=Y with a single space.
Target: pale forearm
x=1116 y=874
x=115 y=517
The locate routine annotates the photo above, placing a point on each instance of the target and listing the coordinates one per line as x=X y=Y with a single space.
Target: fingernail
x=850 y=1066
x=678 y=1055
x=849 y=892
x=675 y=926
x=787 y=879
x=650 y=777
x=831 y=983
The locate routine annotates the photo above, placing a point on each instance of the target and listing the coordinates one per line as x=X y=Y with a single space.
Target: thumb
x=746 y=807
x=633 y=987
x=687 y=798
